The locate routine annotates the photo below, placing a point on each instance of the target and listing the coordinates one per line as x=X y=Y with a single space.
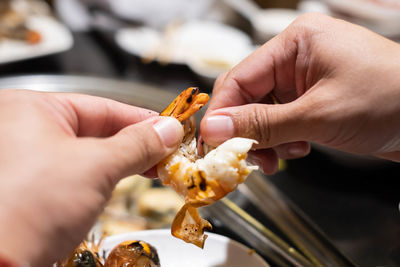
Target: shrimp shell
x=201 y=181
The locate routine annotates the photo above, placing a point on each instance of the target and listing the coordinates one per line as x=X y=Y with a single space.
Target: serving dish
x=179 y=41
x=380 y=16
x=266 y=23
x=219 y=250
x=208 y=48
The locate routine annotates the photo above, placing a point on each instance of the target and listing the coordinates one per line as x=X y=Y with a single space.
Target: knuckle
x=310 y=23
x=221 y=78
x=240 y=89
x=219 y=81
x=311 y=18
x=255 y=125
x=261 y=125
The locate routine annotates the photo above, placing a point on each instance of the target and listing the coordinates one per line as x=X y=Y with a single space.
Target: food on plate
x=13 y=25
x=121 y=215
x=138 y=203
x=83 y=255
x=134 y=253
x=124 y=197
x=114 y=225
x=159 y=205
x=201 y=181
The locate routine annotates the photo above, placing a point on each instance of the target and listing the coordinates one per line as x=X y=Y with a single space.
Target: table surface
x=357 y=206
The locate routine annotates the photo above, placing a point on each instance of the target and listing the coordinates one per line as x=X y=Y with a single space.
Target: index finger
x=100 y=117
x=270 y=67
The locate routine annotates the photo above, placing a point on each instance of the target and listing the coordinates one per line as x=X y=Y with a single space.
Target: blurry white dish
x=266 y=22
x=158 y=13
x=218 y=250
x=317 y=6
x=55 y=38
x=182 y=43
x=211 y=64
x=382 y=17
x=272 y=21
x=141 y=42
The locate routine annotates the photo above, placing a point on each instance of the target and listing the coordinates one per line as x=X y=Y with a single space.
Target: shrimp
x=83 y=255
x=133 y=253
x=201 y=181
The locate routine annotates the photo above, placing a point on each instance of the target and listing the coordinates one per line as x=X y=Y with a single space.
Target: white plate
x=382 y=17
x=208 y=66
x=218 y=250
x=186 y=40
x=55 y=38
x=272 y=21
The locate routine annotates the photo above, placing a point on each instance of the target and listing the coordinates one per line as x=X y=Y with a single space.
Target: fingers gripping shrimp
x=201 y=181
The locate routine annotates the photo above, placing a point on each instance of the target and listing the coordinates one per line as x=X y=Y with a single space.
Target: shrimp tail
x=189 y=226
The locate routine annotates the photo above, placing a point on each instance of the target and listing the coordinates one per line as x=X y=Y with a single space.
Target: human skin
x=61 y=156
x=337 y=84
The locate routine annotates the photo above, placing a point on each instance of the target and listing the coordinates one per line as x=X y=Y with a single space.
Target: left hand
x=61 y=156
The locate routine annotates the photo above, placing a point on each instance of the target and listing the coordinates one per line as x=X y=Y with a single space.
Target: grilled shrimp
x=83 y=256
x=201 y=181
x=134 y=253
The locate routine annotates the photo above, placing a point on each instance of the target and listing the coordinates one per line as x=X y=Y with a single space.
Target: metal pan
x=133 y=93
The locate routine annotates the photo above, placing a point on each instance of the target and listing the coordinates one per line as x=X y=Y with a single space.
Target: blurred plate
x=218 y=250
x=380 y=16
x=181 y=42
x=272 y=21
x=56 y=38
x=208 y=66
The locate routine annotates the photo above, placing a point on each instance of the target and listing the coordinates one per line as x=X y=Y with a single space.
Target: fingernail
x=219 y=128
x=169 y=130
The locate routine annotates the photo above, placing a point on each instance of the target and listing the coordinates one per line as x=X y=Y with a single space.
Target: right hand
x=338 y=84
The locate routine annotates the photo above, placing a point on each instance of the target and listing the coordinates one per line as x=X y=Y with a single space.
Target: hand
x=61 y=156
x=338 y=85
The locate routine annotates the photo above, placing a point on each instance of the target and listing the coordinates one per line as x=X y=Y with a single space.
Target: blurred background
x=173 y=43
x=145 y=52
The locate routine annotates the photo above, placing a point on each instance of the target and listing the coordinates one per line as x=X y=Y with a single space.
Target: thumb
x=139 y=147
x=270 y=125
